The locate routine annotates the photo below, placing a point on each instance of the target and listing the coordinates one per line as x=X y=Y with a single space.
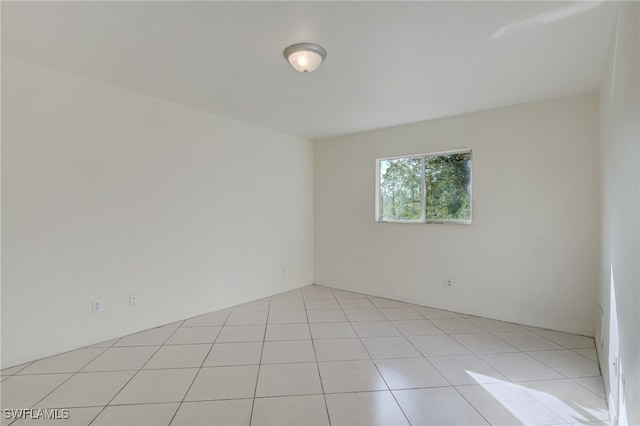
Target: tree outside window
x=432 y=188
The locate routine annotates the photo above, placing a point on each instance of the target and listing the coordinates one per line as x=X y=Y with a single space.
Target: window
x=431 y=188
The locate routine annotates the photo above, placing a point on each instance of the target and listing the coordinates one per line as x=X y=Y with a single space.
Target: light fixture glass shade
x=305 y=57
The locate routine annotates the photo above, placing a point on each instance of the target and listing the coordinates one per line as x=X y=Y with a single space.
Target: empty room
x=320 y=213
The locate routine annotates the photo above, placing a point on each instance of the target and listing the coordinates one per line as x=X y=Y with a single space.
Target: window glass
x=432 y=188
x=401 y=189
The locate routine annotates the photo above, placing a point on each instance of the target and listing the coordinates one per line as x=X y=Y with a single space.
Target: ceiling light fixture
x=305 y=57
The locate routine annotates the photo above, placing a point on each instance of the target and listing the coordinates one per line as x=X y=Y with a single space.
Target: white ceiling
x=389 y=63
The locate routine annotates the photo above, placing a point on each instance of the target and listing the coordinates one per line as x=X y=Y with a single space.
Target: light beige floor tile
x=438 y=345
x=326 y=315
x=432 y=313
x=136 y=415
x=257 y=306
x=569 y=341
x=318 y=286
x=318 y=295
x=387 y=303
x=356 y=304
x=483 y=343
x=527 y=341
x=400 y=313
x=389 y=347
x=247 y=318
x=308 y=410
x=495 y=326
x=224 y=383
x=375 y=329
x=315 y=288
x=233 y=412
x=288 y=379
x=13 y=370
x=407 y=373
x=531 y=328
x=567 y=363
x=87 y=390
x=179 y=356
x=106 y=344
x=207 y=320
x=364 y=409
x=176 y=324
x=364 y=315
x=287 y=305
x=241 y=333
x=153 y=337
x=227 y=354
x=77 y=417
x=350 y=376
x=343 y=294
x=457 y=325
x=589 y=353
x=508 y=404
x=421 y=327
x=520 y=367
x=594 y=384
x=331 y=330
x=24 y=391
x=287 y=332
x=194 y=335
x=288 y=351
x=287 y=317
x=466 y=370
x=322 y=304
x=569 y=400
x=287 y=295
x=445 y=406
x=68 y=362
x=339 y=350
x=122 y=358
x=155 y=386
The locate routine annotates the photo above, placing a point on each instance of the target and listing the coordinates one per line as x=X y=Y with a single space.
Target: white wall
x=619 y=291
x=531 y=254
x=106 y=191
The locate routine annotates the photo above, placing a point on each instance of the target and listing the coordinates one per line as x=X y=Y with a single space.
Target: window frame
x=423 y=206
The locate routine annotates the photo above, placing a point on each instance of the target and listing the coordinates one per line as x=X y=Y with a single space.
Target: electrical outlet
x=133 y=298
x=96 y=306
x=448 y=282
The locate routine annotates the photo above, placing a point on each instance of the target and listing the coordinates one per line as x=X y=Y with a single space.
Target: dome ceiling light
x=305 y=57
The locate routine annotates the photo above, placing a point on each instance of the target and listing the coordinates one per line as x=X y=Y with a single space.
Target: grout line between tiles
x=315 y=355
x=69 y=378
x=255 y=389
x=204 y=360
x=373 y=361
x=134 y=375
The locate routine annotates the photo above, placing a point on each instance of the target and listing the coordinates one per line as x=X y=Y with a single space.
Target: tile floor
x=320 y=356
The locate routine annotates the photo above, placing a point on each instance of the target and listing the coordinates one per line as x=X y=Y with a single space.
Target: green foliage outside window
x=448 y=189
x=401 y=189
x=430 y=188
